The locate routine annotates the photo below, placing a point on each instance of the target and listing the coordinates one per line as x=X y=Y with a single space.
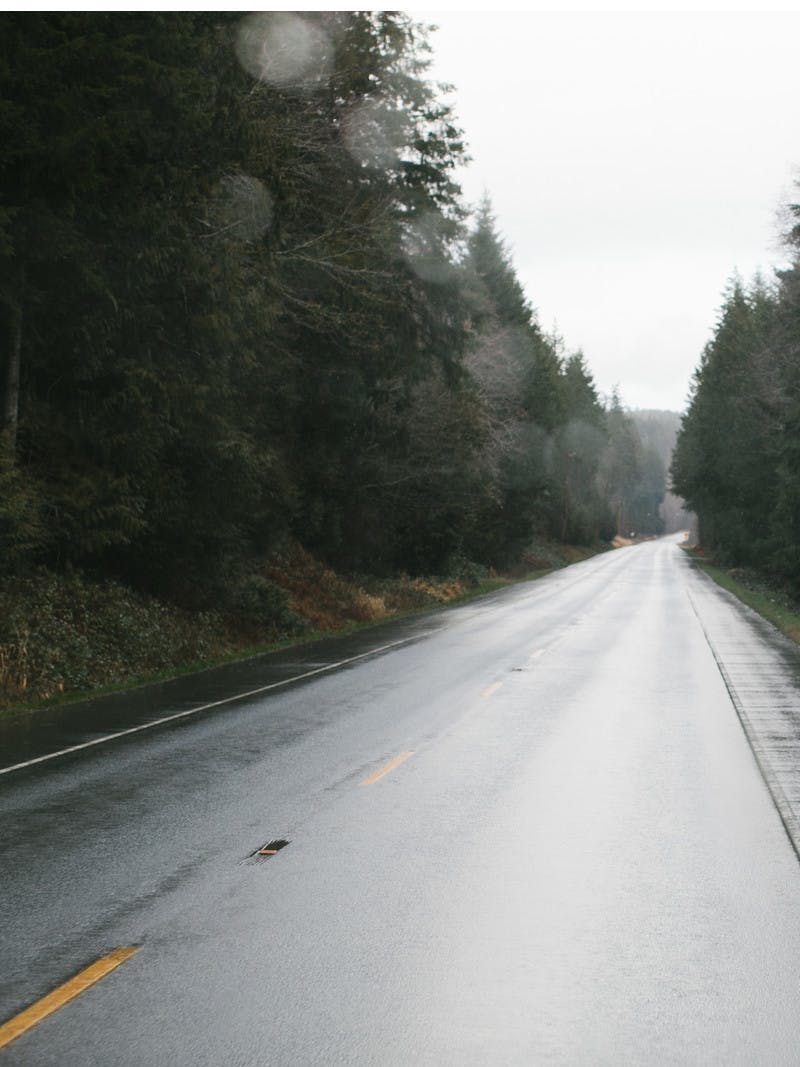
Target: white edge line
x=205 y=707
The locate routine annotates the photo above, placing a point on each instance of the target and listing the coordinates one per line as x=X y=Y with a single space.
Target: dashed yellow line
x=491 y=689
x=72 y=988
x=390 y=766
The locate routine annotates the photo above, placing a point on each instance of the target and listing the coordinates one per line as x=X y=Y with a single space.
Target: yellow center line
x=491 y=689
x=72 y=988
x=390 y=766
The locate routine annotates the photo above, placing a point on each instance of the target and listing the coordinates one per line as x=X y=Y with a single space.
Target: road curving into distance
x=550 y=826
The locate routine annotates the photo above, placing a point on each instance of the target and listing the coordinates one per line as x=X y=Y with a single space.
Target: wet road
x=573 y=856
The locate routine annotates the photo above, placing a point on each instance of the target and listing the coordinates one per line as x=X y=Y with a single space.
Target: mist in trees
x=242 y=300
x=658 y=431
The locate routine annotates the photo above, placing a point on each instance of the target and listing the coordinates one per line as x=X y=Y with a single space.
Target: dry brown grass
x=329 y=601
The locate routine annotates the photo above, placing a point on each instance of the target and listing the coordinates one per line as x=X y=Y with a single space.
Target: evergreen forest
x=737 y=459
x=247 y=317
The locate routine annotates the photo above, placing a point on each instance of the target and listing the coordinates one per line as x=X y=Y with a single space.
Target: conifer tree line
x=737 y=459
x=242 y=301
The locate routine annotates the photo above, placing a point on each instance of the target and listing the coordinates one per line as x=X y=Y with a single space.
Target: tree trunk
x=10 y=382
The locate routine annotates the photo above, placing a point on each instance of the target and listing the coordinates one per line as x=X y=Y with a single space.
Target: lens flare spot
x=284 y=49
x=240 y=208
x=371 y=131
x=426 y=248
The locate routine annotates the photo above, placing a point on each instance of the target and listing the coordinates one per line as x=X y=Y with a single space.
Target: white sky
x=634 y=162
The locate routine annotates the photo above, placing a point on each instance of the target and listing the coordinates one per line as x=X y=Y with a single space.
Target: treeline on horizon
x=737 y=458
x=243 y=302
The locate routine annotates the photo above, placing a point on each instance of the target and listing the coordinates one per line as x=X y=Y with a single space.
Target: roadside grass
x=772 y=603
x=65 y=654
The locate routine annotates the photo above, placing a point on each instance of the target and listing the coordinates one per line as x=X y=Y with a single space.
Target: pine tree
x=784 y=394
x=731 y=486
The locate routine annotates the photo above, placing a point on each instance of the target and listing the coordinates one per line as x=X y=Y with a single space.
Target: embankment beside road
x=767 y=598
x=64 y=637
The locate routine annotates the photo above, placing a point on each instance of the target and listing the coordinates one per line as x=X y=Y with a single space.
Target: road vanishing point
x=555 y=825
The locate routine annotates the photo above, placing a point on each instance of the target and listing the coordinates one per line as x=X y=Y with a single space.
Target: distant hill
x=659 y=430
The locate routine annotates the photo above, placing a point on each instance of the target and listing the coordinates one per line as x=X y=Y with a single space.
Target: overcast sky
x=634 y=162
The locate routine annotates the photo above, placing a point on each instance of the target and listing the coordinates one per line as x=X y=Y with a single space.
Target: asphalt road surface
x=551 y=826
